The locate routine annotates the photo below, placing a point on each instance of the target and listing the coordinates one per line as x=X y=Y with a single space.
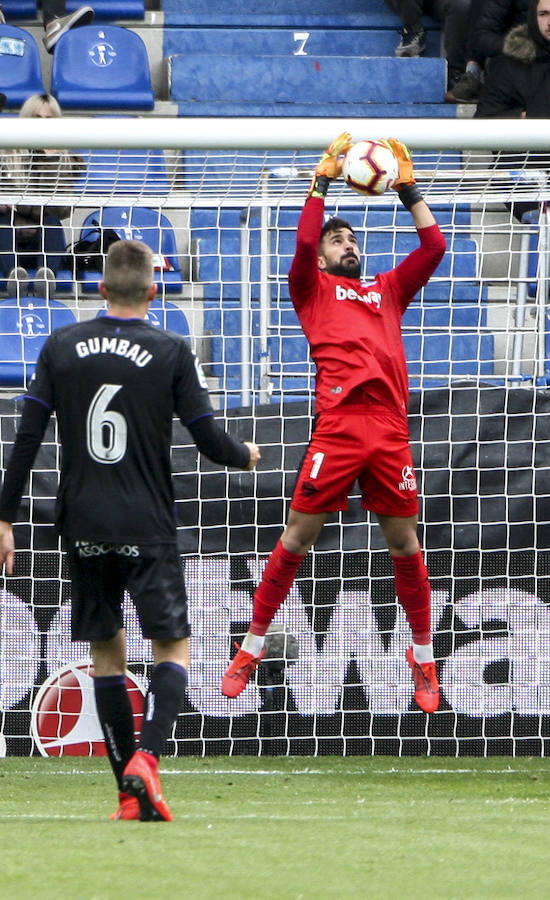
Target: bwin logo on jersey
x=102 y=54
x=409 y=479
x=371 y=298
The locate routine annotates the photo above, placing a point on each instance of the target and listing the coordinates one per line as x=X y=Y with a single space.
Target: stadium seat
x=19 y=9
x=113 y=9
x=24 y=327
x=20 y=70
x=123 y=172
x=102 y=67
x=446 y=341
x=163 y=314
x=140 y=224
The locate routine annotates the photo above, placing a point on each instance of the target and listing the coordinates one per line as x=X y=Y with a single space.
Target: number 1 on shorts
x=317 y=463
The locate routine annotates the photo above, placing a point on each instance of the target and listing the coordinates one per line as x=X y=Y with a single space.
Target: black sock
x=117 y=720
x=162 y=705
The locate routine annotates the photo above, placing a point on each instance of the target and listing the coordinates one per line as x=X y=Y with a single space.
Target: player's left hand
x=7 y=547
x=404 y=159
x=332 y=160
x=255 y=455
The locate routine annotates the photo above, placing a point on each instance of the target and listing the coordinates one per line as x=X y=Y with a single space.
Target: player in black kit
x=115 y=384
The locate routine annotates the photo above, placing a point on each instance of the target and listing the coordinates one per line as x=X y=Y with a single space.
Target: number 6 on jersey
x=106 y=430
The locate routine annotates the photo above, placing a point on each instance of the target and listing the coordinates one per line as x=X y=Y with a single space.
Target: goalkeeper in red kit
x=361 y=431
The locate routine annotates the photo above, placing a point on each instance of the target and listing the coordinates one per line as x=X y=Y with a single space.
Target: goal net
x=219 y=204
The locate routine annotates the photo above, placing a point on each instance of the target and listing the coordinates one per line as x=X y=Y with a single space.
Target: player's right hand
x=404 y=159
x=255 y=455
x=332 y=160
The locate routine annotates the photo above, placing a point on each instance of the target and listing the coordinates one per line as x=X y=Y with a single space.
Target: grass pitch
x=272 y=829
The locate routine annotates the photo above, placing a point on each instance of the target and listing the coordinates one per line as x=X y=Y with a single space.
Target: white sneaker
x=44 y=283
x=14 y=281
x=58 y=27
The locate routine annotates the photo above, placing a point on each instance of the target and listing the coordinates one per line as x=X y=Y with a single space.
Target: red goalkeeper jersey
x=354 y=326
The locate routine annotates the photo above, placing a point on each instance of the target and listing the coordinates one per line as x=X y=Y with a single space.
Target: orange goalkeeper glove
x=405 y=183
x=330 y=165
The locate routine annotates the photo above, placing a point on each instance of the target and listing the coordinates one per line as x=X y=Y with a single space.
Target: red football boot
x=426 y=684
x=140 y=779
x=128 y=808
x=237 y=675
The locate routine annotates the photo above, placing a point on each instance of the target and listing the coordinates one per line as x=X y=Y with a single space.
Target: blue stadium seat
x=123 y=172
x=19 y=9
x=292 y=370
x=20 y=70
x=341 y=86
x=530 y=252
x=113 y=9
x=24 y=327
x=446 y=341
x=102 y=67
x=163 y=314
x=532 y=218
x=140 y=224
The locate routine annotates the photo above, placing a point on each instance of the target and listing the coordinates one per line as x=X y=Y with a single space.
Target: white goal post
x=227 y=194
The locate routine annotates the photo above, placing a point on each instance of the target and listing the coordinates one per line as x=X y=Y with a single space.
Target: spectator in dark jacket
x=517 y=84
x=489 y=22
x=518 y=80
x=494 y=21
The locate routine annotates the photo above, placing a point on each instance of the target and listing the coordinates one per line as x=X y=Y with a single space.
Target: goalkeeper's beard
x=349 y=267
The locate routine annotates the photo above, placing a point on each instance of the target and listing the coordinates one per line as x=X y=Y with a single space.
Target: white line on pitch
x=286 y=772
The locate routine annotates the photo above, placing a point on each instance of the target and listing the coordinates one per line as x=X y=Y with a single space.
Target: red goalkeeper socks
x=276 y=582
x=413 y=589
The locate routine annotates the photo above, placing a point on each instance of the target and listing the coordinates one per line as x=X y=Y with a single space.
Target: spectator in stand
x=490 y=20
x=57 y=21
x=495 y=19
x=465 y=89
x=517 y=83
x=32 y=237
x=454 y=16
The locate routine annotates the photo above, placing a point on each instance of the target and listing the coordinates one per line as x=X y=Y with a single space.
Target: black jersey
x=115 y=385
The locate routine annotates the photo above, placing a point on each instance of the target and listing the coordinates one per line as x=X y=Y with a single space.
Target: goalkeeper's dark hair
x=334 y=224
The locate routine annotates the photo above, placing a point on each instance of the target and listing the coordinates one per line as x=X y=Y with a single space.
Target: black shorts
x=151 y=573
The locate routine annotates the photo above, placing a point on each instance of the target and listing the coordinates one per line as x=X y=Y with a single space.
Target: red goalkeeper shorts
x=369 y=447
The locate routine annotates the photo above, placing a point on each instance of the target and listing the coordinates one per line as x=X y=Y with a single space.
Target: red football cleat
x=128 y=808
x=426 y=684
x=237 y=675
x=141 y=781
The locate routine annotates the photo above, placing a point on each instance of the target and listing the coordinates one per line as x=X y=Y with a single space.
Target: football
x=370 y=168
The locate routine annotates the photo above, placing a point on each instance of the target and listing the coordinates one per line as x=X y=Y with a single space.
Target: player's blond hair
x=128 y=272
